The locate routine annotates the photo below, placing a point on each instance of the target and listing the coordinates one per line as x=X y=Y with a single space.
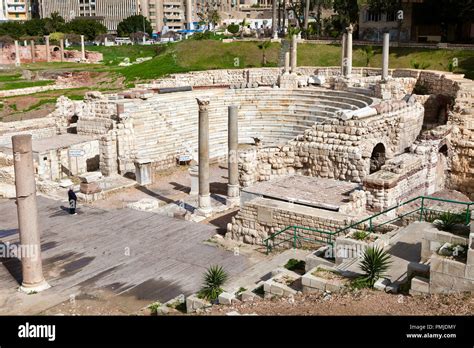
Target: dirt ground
x=363 y=302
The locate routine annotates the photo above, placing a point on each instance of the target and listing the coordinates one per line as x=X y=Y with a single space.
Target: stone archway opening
x=378 y=157
x=442 y=168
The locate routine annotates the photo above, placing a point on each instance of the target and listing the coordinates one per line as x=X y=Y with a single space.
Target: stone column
x=30 y=245
x=189 y=14
x=287 y=63
x=205 y=207
x=274 y=19
x=48 y=54
x=350 y=30
x=83 y=51
x=385 y=54
x=233 y=190
x=343 y=54
x=33 y=51
x=293 y=57
x=17 y=54
x=61 y=49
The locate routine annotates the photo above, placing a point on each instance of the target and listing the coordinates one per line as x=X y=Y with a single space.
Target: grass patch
x=26 y=84
x=297 y=266
x=10 y=78
x=39 y=104
x=113 y=55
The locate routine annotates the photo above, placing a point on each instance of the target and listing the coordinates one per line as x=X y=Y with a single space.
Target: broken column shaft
x=61 y=48
x=33 y=52
x=293 y=58
x=83 y=50
x=287 y=63
x=348 y=64
x=233 y=191
x=204 y=187
x=17 y=54
x=385 y=55
x=30 y=245
x=343 y=54
x=48 y=54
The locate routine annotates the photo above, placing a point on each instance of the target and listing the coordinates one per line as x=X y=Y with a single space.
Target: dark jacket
x=72 y=195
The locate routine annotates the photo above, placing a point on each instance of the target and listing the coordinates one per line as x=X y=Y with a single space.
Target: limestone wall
x=39 y=128
x=261 y=217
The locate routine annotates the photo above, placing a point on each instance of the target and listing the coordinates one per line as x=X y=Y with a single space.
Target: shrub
x=295 y=265
x=154 y=307
x=448 y=220
x=375 y=263
x=360 y=235
x=214 y=279
x=233 y=28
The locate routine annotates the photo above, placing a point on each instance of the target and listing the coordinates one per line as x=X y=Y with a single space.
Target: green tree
x=233 y=28
x=263 y=46
x=134 y=24
x=87 y=27
x=13 y=29
x=347 y=11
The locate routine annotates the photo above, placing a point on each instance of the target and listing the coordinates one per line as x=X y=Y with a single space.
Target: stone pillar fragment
x=343 y=53
x=287 y=63
x=350 y=30
x=83 y=50
x=205 y=207
x=17 y=54
x=61 y=49
x=385 y=55
x=48 y=54
x=233 y=190
x=33 y=51
x=189 y=15
x=274 y=20
x=30 y=245
x=293 y=58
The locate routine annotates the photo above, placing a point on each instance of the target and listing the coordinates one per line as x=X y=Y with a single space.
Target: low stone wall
x=261 y=217
x=39 y=128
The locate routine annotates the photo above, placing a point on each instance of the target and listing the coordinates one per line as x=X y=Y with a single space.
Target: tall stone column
x=205 y=207
x=30 y=245
x=233 y=190
x=189 y=14
x=385 y=55
x=17 y=54
x=293 y=58
x=83 y=50
x=350 y=30
x=33 y=51
x=343 y=54
x=48 y=54
x=287 y=63
x=274 y=19
x=61 y=49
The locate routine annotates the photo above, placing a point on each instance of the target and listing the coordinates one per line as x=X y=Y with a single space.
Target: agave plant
x=447 y=220
x=375 y=263
x=214 y=279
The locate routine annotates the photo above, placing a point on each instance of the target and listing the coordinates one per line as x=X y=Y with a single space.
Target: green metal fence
x=421 y=211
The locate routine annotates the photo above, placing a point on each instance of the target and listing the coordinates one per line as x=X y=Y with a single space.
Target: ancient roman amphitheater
x=312 y=154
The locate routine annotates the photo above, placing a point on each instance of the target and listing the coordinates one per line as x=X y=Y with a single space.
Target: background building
x=15 y=10
x=108 y=12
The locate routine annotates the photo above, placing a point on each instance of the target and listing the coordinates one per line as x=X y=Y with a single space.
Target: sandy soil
x=364 y=302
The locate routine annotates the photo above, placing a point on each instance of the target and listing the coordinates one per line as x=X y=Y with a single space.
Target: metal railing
x=299 y=235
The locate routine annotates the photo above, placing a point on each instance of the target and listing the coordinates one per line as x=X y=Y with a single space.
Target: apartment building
x=15 y=10
x=108 y=12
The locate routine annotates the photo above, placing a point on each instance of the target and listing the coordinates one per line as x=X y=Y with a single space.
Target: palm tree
x=263 y=46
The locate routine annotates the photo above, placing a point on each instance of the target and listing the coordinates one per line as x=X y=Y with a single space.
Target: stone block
x=445 y=283
x=248 y=296
x=90 y=188
x=194 y=303
x=226 y=298
x=421 y=285
x=418 y=269
x=90 y=177
x=381 y=284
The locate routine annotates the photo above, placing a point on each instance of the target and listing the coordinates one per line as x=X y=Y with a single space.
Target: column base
x=205 y=208
x=233 y=201
x=29 y=288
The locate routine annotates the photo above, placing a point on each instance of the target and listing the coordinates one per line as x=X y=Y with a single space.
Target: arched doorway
x=377 y=159
x=442 y=168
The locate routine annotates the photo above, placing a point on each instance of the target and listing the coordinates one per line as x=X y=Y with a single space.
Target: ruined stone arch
x=378 y=157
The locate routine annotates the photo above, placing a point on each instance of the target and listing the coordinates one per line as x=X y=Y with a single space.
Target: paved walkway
x=139 y=257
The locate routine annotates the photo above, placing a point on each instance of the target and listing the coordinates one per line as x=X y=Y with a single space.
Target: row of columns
x=233 y=190
x=346 y=57
x=48 y=52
